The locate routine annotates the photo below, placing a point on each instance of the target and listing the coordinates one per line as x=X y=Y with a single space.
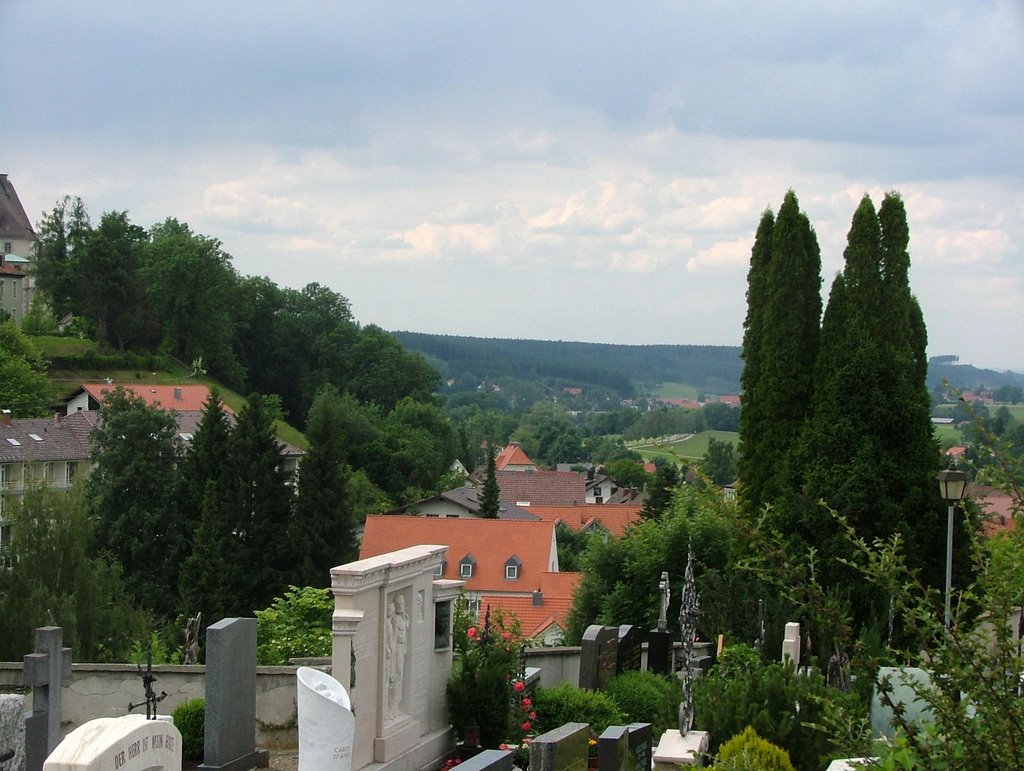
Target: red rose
x=518 y=687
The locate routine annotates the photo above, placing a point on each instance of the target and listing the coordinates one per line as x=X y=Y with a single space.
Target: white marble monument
x=392 y=653
x=326 y=725
x=129 y=743
x=791 y=644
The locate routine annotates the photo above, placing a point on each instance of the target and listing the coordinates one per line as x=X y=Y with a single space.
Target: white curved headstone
x=326 y=724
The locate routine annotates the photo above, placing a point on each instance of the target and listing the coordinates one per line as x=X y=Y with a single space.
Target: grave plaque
x=598 y=656
x=613 y=749
x=489 y=760
x=563 y=749
x=628 y=649
x=641 y=749
x=129 y=743
x=659 y=651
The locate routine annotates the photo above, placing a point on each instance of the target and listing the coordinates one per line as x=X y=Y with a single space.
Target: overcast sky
x=554 y=170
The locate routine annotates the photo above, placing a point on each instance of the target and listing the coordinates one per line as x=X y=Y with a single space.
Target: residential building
x=542 y=488
x=514 y=458
x=504 y=561
x=17 y=250
x=460 y=502
x=610 y=518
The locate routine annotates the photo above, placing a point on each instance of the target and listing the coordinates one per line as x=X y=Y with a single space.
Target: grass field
x=674 y=391
x=51 y=345
x=687 y=449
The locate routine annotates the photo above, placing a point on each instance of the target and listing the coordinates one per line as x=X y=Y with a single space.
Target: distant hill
x=624 y=369
x=967 y=377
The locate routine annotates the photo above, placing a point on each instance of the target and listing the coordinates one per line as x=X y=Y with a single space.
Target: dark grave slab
x=659 y=651
x=641 y=746
x=489 y=760
x=629 y=650
x=44 y=671
x=598 y=656
x=613 y=749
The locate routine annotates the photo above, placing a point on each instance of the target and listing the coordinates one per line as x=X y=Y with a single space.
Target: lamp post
x=951 y=486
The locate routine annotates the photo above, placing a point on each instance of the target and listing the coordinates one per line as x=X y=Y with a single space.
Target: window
x=1 y=289
x=47 y=472
x=71 y=472
x=439 y=568
x=8 y=247
x=512 y=568
x=467 y=566
x=5 y=475
x=14 y=290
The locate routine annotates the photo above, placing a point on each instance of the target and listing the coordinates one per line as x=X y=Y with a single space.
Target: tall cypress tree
x=323 y=529
x=258 y=503
x=490 y=493
x=754 y=462
x=784 y=387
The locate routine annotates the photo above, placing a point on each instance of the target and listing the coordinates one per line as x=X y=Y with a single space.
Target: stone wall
x=105 y=690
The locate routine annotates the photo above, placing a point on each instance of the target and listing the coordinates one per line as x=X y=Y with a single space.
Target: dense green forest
x=625 y=369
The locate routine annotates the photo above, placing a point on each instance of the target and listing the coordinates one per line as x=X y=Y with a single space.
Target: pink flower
x=503 y=746
x=518 y=687
x=526 y=726
x=533 y=716
x=506 y=636
x=526 y=702
x=471 y=632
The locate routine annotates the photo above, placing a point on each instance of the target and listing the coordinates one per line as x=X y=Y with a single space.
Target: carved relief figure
x=398 y=643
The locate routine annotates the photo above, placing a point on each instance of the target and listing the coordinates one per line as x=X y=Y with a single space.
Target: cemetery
x=405 y=689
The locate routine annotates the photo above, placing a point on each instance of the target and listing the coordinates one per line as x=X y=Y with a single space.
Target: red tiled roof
x=513 y=455
x=180 y=398
x=491 y=542
x=996 y=506
x=686 y=404
x=956 y=452
x=556 y=592
x=613 y=517
x=543 y=488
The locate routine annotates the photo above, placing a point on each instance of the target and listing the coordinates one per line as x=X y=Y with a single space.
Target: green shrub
x=779 y=704
x=565 y=703
x=190 y=718
x=296 y=625
x=749 y=752
x=645 y=697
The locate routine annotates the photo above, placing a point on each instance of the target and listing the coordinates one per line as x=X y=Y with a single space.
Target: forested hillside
x=470 y=361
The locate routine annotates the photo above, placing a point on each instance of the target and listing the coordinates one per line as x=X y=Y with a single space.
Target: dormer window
x=512 y=567
x=467 y=566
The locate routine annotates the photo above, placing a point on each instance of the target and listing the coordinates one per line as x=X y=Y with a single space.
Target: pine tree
x=754 y=463
x=490 y=493
x=323 y=528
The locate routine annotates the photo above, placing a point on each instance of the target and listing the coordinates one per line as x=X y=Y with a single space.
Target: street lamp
x=951 y=486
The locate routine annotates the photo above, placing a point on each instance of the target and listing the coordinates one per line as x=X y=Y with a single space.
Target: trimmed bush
x=565 y=703
x=645 y=697
x=749 y=752
x=190 y=718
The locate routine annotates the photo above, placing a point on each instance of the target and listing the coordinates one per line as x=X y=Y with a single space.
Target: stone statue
x=759 y=642
x=666 y=597
x=326 y=723
x=689 y=613
x=190 y=652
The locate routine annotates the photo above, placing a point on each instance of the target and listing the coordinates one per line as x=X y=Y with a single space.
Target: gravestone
x=598 y=656
x=230 y=732
x=326 y=725
x=12 y=730
x=563 y=749
x=613 y=749
x=44 y=671
x=628 y=650
x=390 y=651
x=129 y=743
x=791 y=643
x=640 y=741
x=488 y=760
x=659 y=651
x=903 y=680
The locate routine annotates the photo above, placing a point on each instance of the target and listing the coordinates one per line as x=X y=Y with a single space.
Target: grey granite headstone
x=230 y=735
x=641 y=745
x=598 y=655
x=489 y=760
x=563 y=749
x=12 y=730
x=613 y=749
x=628 y=650
x=44 y=671
x=659 y=651
x=903 y=680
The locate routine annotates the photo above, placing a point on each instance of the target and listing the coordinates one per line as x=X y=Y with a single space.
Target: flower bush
x=486 y=686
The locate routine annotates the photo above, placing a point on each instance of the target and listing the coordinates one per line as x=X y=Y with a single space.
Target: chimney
x=56 y=419
x=538 y=599
x=5 y=417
